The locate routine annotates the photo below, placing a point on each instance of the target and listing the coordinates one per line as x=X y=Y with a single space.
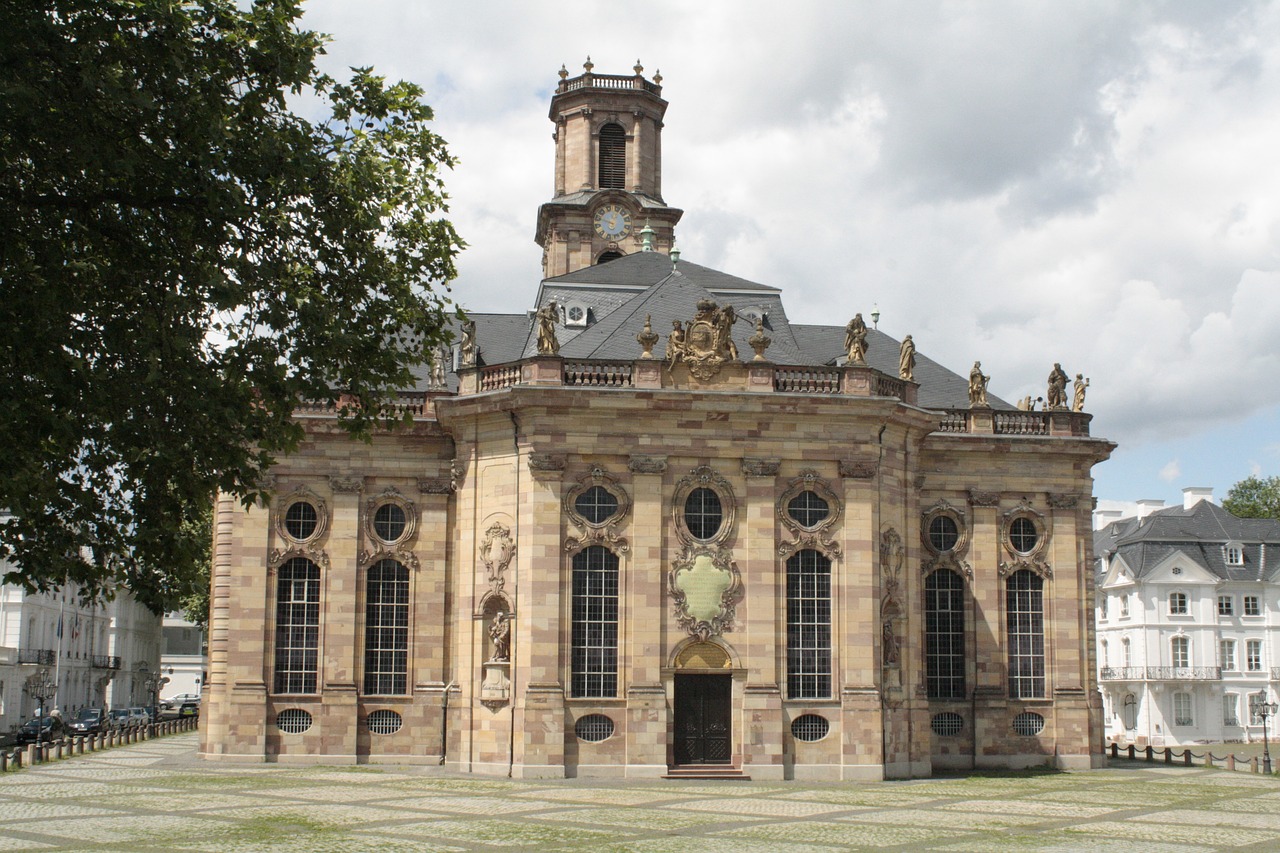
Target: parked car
x=90 y=721
x=175 y=702
x=189 y=709
x=139 y=716
x=119 y=718
x=39 y=730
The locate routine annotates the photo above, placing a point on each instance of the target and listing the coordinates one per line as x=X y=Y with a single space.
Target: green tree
x=1254 y=497
x=184 y=258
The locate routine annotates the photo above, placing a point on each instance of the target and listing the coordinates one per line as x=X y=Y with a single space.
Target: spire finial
x=657 y=77
x=875 y=315
x=639 y=69
x=564 y=72
x=646 y=237
x=588 y=65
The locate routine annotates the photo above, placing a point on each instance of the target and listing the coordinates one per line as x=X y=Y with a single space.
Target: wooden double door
x=703 y=717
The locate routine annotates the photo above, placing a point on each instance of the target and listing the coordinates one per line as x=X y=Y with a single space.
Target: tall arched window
x=594 y=664
x=944 y=634
x=1024 y=612
x=297 y=626
x=386 y=629
x=613 y=157
x=808 y=625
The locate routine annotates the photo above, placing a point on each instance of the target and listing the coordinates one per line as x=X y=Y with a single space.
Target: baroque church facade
x=654 y=528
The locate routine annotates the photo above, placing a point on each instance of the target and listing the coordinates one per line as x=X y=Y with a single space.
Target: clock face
x=613 y=221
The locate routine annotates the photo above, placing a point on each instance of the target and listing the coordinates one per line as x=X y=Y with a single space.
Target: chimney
x=1148 y=506
x=1192 y=495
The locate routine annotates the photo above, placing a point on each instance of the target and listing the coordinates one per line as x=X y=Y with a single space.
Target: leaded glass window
x=944 y=634
x=386 y=629
x=1024 y=612
x=594 y=659
x=297 y=626
x=808 y=625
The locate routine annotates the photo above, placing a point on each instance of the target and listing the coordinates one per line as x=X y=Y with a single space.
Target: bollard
x=1231 y=761
x=1168 y=755
x=1186 y=757
x=33 y=753
x=57 y=750
x=1151 y=753
x=17 y=759
x=1208 y=758
x=1132 y=752
x=80 y=745
x=1253 y=764
x=4 y=761
x=1115 y=750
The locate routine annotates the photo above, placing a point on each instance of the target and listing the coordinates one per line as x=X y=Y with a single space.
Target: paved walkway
x=157 y=796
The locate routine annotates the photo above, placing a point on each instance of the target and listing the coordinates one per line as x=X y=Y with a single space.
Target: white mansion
x=1187 y=616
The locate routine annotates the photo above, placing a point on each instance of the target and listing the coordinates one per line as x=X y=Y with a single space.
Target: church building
x=653 y=527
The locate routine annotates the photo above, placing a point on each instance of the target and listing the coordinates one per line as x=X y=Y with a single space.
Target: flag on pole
x=75 y=627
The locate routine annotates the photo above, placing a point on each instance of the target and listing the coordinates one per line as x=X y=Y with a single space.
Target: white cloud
x=1171 y=471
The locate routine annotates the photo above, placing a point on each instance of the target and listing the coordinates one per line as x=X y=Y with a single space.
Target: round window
x=947 y=724
x=576 y=314
x=809 y=727
x=1028 y=724
x=384 y=722
x=293 y=721
x=597 y=505
x=808 y=509
x=300 y=520
x=703 y=513
x=389 y=522
x=593 y=728
x=1023 y=535
x=943 y=533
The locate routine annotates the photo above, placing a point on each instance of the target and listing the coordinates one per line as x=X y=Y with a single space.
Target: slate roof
x=620 y=294
x=1198 y=534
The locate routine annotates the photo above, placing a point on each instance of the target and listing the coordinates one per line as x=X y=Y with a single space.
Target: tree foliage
x=1254 y=497
x=184 y=259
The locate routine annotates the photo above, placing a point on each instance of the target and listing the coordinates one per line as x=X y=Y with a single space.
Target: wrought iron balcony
x=43 y=657
x=106 y=662
x=1161 y=673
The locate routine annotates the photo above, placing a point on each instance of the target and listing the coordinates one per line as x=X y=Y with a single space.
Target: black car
x=37 y=730
x=189 y=709
x=90 y=721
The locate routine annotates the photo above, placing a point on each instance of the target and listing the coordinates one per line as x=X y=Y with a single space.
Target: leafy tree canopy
x=184 y=259
x=1254 y=497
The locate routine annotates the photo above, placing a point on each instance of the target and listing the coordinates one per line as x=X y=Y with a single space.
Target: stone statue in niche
x=500 y=633
x=889 y=643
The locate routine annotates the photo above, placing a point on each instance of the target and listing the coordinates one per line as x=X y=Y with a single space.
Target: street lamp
x=42 y=686
x=1264 y=711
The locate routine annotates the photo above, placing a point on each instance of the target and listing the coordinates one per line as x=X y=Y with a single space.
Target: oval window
x=808 y=509
x=593 y=728
x=1023 y=535
x=703 y=513
x=1028 y=724
x=293 y=721
x=389 y=522
x=943 y=533
x=384 y=722
x=947 y=724
x=810 y=727
x=300 y=520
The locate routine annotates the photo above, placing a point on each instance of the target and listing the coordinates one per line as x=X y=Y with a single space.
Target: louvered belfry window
x=613 y=157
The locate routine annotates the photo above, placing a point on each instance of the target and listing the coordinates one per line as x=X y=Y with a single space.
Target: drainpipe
x=515 y=598
x=444 y=723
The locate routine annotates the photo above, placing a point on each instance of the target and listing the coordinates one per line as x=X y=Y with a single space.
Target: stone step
x=727 y=772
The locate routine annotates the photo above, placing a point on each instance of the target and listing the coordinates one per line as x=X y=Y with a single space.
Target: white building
x=1187 y=615
x=71 y=654
x=182 y=658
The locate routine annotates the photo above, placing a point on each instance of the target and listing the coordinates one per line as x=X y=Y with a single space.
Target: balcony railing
x=807 y=380
x=43 y=657
x=607 y=81
x=105 y=662
x=1161 y=673
x=598 y=374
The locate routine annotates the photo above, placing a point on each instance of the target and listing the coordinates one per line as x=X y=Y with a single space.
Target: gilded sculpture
x=907 y=360
x=855 y=340
x=1077 y=402
x=706 y=343
x=547 y=315
x=978 y=386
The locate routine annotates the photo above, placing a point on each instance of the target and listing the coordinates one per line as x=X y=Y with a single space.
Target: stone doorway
x=703 y=731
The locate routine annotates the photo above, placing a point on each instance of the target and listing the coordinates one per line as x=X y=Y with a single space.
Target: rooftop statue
x=547 y=315
x=1077 y=403
x=467 y=348
x=978 y=387
x=706 y=343
x=1056 y=397
x=855 y=340
x=907 y=360
x=675 y=344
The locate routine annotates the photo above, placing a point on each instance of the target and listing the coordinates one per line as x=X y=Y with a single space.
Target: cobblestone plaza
x=157 y=796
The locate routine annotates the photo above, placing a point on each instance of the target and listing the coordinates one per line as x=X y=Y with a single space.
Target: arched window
x=594 y=664
x=297 y=626
x=1024 y=611
x=1130 y=712
x=944 y=634
x=613 y=157
x=386 y=629
x=808 y=625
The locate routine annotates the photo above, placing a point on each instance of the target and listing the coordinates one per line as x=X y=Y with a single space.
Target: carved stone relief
x=760 y=467
x=818 y=536
x=647 y=465
x=496 y=552
x=605 y=531
x=892 y=554
x=857 y=470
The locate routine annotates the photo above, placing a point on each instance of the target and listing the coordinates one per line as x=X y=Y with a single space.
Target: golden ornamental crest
x=707 y=342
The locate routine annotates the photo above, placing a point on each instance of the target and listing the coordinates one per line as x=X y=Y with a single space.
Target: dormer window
x=1233 y=554
x=576 y=315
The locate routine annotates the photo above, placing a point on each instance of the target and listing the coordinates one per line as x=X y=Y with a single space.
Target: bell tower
x=608 y=174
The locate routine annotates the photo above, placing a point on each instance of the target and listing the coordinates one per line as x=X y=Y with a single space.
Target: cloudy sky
x=1094 y=183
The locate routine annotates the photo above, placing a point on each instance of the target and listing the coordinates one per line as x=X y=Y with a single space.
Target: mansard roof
x=1199 y=534
x=621 y=294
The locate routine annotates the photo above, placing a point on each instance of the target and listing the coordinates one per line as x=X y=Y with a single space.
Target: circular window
x=947 y=724
x=300 y=520
x=593 y=728
x=809 y=727
x=293 y=721
x=576 y=314
x=1028 y=724
x=1023 y=535
x=703 y=513
x=389 y=522
x=384 y=722
x=597 y=505
x=943 y=533
x=808 y=509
